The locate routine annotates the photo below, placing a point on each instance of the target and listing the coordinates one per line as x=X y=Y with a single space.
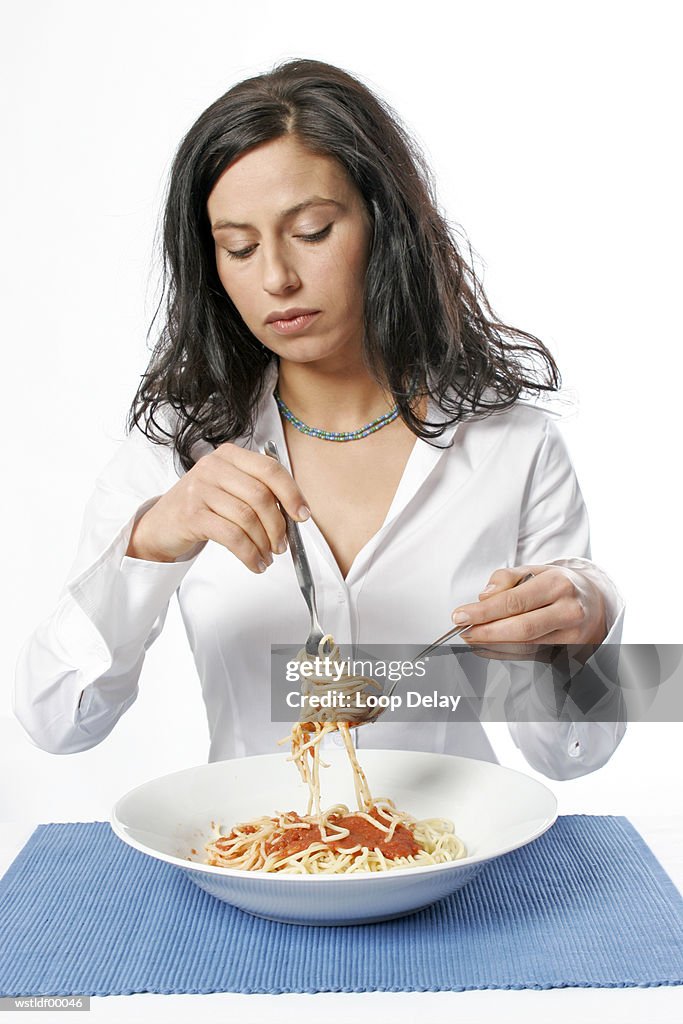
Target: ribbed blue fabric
x=585 y=905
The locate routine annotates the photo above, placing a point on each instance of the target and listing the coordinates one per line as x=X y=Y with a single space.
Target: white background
x=552 y=132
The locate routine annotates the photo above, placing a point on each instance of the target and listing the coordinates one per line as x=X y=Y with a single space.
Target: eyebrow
x=221 y=225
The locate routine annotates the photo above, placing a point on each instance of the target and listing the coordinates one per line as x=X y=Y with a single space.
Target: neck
x=336 y=400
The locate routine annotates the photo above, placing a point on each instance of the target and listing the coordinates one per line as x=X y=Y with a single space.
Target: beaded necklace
x=335 y=435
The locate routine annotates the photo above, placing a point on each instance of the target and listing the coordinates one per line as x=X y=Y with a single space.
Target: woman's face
x=292 y=233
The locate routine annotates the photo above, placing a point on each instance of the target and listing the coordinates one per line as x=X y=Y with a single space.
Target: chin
x=307 y=350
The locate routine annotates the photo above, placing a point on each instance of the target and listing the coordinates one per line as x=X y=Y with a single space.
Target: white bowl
x=494 y=810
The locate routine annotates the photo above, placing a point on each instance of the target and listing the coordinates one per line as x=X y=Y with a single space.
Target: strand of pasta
x=248 y=851
x=247 y=846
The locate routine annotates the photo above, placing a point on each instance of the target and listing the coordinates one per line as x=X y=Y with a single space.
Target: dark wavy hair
x=429 y=328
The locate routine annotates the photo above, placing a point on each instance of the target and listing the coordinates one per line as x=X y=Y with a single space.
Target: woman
x=315 y=296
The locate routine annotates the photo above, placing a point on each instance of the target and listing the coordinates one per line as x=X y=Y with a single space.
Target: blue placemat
x=587 y=904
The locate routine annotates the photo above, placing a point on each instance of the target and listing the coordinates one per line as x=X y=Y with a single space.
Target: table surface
x=663 y=1005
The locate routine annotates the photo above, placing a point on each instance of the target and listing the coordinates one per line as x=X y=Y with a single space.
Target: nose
x=279 y=273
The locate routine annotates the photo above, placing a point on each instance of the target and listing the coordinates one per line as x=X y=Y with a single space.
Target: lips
x=289 y=314
x=294 y=324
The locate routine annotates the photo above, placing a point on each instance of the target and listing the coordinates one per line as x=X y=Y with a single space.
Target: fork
x=451 y=634
x=301 y=567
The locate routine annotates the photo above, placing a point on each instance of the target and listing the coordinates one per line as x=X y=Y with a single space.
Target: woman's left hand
x=557 y=606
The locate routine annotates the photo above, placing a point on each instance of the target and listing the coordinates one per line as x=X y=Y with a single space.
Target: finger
x=273 y=475
x=505 y=579
x=250 y=491
x=537 y=625
x=535 y=593
x=232 y=537
x=234 y=509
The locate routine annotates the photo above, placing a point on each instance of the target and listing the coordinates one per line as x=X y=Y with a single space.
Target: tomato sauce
x=294 y=840
x=361 y=833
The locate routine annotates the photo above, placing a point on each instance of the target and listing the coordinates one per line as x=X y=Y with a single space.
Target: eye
x=241 y=254
x=318 y=236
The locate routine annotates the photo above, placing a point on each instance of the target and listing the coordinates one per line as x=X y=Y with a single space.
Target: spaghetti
x=376 y=837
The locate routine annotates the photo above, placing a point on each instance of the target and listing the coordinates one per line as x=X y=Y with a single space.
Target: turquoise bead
x=332 y=435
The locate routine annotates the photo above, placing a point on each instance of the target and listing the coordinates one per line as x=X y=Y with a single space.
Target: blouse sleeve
x=78 y=672
x=554 y=530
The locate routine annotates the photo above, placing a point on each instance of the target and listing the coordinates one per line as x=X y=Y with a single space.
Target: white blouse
x=504 y=494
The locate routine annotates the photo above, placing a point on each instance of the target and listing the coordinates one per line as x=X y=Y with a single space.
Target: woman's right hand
x=229 y=496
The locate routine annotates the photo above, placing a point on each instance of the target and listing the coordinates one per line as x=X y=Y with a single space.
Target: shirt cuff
x=122 y=596
x=614 y=603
